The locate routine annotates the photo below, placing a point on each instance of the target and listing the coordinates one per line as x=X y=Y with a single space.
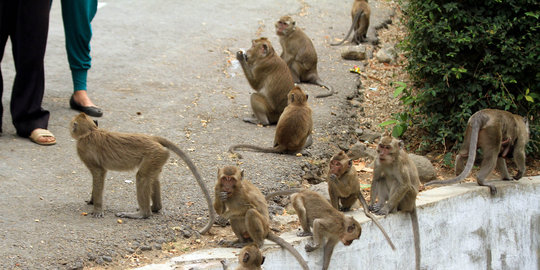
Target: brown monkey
x=500 y=135
x=250 y=258
x=360 y=13
x=299 y=54
x=269 y=76
x=244 y=205
x=344 y=188
x=395 y=185
x=293 y=130
x=101 y=150
x=314 y=211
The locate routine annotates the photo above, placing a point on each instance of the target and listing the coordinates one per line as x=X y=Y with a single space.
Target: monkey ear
x=246 y=257
x=242 y=173
x=307 y=96
x=350 y=229
x=265 y=49
x=292 y=98
x=96 y=122
x=400 y=143
x=350 y=162
x=263 y=258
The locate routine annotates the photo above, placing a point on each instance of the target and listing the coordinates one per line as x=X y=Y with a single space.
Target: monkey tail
x=284 y=244
x=416 y=235
x=189 y=163
x=330 y=89
x=282 y=193
x=374 y=219
x=251 y=147
x=477 y=122
x=355 y=22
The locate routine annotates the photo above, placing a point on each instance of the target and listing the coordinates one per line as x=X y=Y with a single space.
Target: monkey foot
x=98 y=214
x=309 y=248
x=134 y=215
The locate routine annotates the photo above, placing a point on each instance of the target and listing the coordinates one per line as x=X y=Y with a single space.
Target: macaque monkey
x=244 y=205
x=101 y=150
x=395 y=185
x=293 y=130
x=500 y=135
x=250 y=258
x=344 y=188
x=299 y=54
x=314 y=211
x=360 y=13
x=270 y=77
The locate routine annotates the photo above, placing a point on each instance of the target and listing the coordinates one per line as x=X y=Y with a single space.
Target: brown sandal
x=39 y=133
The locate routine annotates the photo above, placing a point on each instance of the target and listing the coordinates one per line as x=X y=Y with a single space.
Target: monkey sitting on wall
x=270 y=77
x=101 y=150
x=500 y=135
x=245 y=206
x=299 y=54
x=344 y=188
x=395 y=185
x=360 y=14
x=293 y=131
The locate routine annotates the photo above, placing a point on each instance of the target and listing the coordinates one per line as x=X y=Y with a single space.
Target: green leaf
x=386 y=123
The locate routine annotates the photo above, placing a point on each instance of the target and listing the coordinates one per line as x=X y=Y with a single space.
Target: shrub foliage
x=468 y=55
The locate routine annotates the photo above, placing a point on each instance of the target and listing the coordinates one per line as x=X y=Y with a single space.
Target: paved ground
x=165 y=68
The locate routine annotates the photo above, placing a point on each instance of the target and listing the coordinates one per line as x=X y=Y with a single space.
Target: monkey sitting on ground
x=395 y=185
x=299 y=54
x=244 y=205
x=293 y=131
x=360 y=14
x=101 y=150
x=344 y=188
x=270 y=77
x=500 y=135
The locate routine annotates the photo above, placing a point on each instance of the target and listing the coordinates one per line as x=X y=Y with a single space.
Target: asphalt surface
x=167 y=68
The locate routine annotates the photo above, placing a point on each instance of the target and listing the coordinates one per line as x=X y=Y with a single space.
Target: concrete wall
x=461 y=227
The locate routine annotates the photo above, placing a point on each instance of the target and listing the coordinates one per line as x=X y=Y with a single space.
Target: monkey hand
x=304 y=233
x=240 y=56
x=223 y=196
x=310 y=248
x=374 y=208
x=333 y=177
x=383 y=212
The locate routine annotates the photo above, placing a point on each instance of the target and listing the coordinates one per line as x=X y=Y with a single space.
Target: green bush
x=469 y=55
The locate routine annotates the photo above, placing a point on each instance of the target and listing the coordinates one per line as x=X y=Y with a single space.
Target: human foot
x=81 y=102
x=42 y=137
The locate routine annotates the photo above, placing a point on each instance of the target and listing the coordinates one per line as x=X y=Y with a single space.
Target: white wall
x=461 y=227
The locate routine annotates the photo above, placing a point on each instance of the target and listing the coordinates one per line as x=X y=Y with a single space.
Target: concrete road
x=163 y=67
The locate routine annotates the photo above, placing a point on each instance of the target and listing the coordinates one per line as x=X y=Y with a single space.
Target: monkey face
x=228 y=184
x=353 y=230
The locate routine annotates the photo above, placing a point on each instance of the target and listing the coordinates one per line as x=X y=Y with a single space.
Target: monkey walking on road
x=101 y=150
x=500 y=135
x=360 y=14
x=299 y=54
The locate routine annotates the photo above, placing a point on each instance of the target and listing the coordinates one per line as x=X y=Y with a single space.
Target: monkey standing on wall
x=101 y=150
x=360 y=14
x=243 y=204
x=293 y=131
x=395 y=185
x=314 y=211
x=299 y=54
x=500 y=135
x=344 y=188
x=269 y=76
